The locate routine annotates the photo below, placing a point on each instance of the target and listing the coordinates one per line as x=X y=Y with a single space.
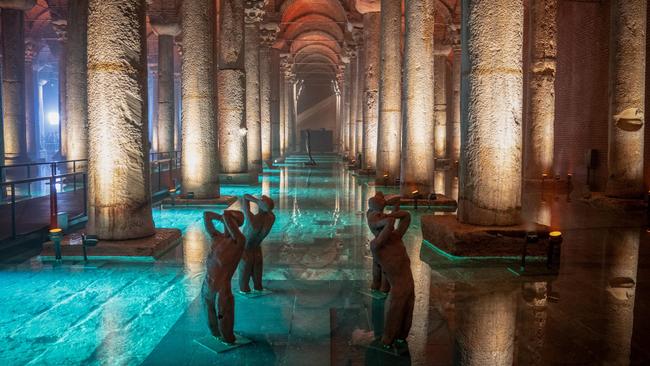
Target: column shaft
x=440 y=118
x=358 y=128
x=418 y=97
x=454 y=143
x=491 y=105
x=76 y=83
x=31 y=127
x=372 y=33
x=627 y=98
x=200 y=165
x=119 y=194
x=389 y=129
x=276 y=103
x=265 y=103
x=354 y=101
x=253 y=108
x=165 y=125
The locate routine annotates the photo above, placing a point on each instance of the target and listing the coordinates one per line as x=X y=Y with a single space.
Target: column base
x=598 y=200
x=245 y=179
x=463 y=240
x=442 y=203
x=149 y=248
x=367 y=172
x=221 y=201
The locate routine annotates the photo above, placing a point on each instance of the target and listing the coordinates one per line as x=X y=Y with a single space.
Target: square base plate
x=214 y=344
x=253 y=294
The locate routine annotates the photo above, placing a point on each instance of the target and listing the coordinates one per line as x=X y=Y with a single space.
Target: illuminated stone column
x=199 y=148
x=119 y=195
x=371 y=32
x=76 y=84
x=418 y=131
x=284 y=61
x=276 y=103
x=165 y=116
x=31 y=127
x=358 y=128
x=268 y=34
x=231 y=83
x=389 y=129
x=491 y=105
x=440 y=118
x=290 y=128
x=541 y=111
x=59 y=48
x=627 y=98
x=254 y=14
x=354 y=89
x=454 y=143
x=349 y=64
x=13 y=83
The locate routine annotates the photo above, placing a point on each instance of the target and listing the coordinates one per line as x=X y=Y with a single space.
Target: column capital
x=453 y=36
x=350 y=51
x=32 y=49
x=254 y=11
x=165 y=28
x=269 y=33
x=60 y=27
x=357 y=36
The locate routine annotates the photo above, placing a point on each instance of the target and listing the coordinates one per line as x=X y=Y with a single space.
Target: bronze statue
x=389 y=251
x=375 y=214
x=226 y=251
x=256 y=228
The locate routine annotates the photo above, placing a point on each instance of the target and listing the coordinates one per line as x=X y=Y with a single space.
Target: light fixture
x=531 y=238
x=53 y=118
x=554 y=249
x=56 y=235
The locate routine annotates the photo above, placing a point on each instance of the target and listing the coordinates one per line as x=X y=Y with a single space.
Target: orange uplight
x=555 y=234
x=55 y=230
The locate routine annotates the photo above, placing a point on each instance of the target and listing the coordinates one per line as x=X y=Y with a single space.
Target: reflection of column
x=13 y=84
x=76 y=84
x=541 y=135
x=254 y=14
x=486 y=328
x=372 y=32
x=627 y=108
x=165 y=100
x=199 y=167
x=389 y=129
x=454 y=135
x=440 y=118
x=268 y=34
x=119 y=194
x=621 y=262
x=531 y=323
x=490 y=171
x=31 y=51
x=417 y=159
x=231 y=83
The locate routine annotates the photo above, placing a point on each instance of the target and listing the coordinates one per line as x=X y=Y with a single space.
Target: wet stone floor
x=317 y=265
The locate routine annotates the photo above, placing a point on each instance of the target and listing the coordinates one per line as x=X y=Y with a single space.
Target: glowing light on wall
x=53 y=118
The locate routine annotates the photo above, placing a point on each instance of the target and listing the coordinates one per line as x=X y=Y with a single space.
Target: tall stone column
x=31 y=127
x=284 y=65
x=371 y=32
x=165 y=116
x=119 y=194
x=491 y=105
x=59 y=48
x=76 y=84
x=254 y=14
x=389 y=129
x=199 y=148
x=541 y=136
x=354 y=90
x=454 y=143
x=268 y=34
x=292 y=123
x=418 y=97
x=627 y=98
x=276 y=103
x=440 y=118
x=13 y=84
x=358 y=128
x=231 y=83
x=345 y=133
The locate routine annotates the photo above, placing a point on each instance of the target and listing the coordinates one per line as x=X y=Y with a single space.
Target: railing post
x=74 y=176
x=85 y=184
x=13 y=211
x=54 y=220
x=29 y=185
x=159 y=176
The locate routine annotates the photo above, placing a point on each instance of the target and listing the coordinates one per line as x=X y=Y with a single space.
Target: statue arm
x=394 y=201
x=247 y=205
x=404 y=222
x=384 y=234
x=208 y=218
x=231 y=226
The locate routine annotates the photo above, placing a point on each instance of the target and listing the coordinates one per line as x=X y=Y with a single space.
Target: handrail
x=38 y=179
x=22 y=165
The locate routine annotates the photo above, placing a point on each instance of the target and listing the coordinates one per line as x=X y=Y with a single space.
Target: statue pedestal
x=462 y=240
x=214 y=344
x=149 y=248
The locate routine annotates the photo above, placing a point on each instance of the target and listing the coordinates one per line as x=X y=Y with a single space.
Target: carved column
x=541 y=136
x=276 y=103
x=76 y=84
x=119 y=195
x=285 y=74
x=440 y=118
x=231 y=83
x=418 y=131
x=59 y=48
x=165 y=116
x=31 y=127
x=627 y=98
x=491 y=105
x=454 y=142
x=389 y=129
x=200 y=165
x=372 y=32
x=354 y=90
x=358 y=128
x=345 y=133
x=268 y=34
x=254 y=14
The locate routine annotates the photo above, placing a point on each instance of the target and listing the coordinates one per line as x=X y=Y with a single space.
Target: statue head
x=377 y=202
x=266 y=204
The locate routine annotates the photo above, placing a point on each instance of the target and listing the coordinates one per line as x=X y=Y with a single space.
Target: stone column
x=440 y=118
x=418 y=88
x=627 y=98
x=358 y=128
x=354 y=90
x=349 y=64
x=31 y=127
x=541 y=114
x=454 y=143
x=13 y=84
x=59 y=48
x=389 y=129
x=231 y=84
x=292 y=127
x=371 y=32
x=276 y=103
x=268 y=34
x=491 y=105
x=165 y=116
x=199 y=148
x=76 y=83
x=254 y=15
x=119 y=195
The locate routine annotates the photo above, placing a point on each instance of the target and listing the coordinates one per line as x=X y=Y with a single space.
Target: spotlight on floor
x=531 y=238
x=56 y=235
x=554 y=249
x=415 y=194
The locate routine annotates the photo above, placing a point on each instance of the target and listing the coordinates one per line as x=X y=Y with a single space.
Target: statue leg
x=258 y=269
x=245 y=271
x=408 y=317
x=395 y=305
x=385 y=285
x=226 y=304
x=209 y=300
x=376 y=275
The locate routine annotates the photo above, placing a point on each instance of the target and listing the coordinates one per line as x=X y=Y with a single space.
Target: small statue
x=389 y=251
x=375 y=214
x=227 y=249
x=256 y=228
